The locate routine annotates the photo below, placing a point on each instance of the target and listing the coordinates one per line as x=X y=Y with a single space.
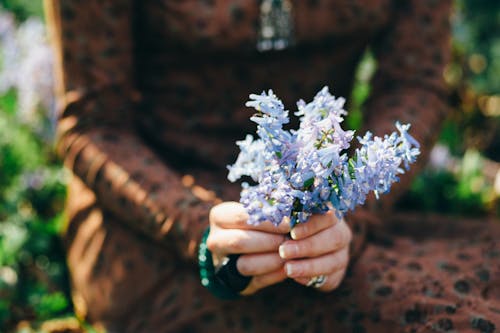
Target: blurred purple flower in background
x=26 y=63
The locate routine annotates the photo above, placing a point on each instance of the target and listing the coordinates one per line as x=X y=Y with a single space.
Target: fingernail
x=282 y=252
x=293 y=234
x=289 y=270
x=287 y=250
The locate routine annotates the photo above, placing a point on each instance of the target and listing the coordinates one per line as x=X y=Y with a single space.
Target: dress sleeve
x=96 y=97
x=408 y=85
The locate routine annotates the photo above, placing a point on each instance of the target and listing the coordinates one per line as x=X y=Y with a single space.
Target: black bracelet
x=228 y=275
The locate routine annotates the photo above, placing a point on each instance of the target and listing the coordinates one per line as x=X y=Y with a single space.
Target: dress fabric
x=151 y=97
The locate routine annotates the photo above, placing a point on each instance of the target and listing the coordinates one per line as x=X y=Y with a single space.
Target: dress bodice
x=197 y=62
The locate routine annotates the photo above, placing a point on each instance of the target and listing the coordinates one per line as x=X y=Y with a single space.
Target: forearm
x=133 y=183
x=424 y=109
x=408 y=86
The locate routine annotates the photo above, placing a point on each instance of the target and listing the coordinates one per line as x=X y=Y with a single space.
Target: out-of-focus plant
x=26 y=63
x=476 y=26
x=33 y=279
x=474 y=76
x=462 y=185
x=361 y=90
x=23 y=9
x=470 y=182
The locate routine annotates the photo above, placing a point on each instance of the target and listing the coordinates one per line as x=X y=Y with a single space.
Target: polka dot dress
x=151 y=97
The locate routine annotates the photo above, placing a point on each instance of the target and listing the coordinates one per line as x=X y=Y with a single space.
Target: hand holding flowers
x=230 y=233
x=269 y=257
x=319 y=247
x=300 y=176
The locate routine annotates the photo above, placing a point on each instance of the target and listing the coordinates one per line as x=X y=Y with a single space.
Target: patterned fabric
x=151 y=97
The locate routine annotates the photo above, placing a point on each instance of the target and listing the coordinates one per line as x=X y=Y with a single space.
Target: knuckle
x=212 y=243
x=214 y=213
x=235 y=244
x=342 y=237
x=340 y=259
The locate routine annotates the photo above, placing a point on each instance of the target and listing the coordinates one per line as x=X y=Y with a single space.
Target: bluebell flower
x=307 y=171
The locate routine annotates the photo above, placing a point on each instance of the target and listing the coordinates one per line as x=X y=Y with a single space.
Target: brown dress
x=151 y=96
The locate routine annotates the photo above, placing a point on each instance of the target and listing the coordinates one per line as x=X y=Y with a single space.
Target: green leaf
x=309 y=182
x=351 y=169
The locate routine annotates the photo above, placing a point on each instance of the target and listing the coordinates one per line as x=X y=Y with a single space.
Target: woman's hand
x=258 y=245
x=318 y=247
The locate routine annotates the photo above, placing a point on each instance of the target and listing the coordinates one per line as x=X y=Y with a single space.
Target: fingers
x=323 y=265
x=333 y=281
x=259 y=264
x=223 y=242
x=261 y=281
x=315 y=224
x=266 y=226
x=325 y=241
x=232 y=215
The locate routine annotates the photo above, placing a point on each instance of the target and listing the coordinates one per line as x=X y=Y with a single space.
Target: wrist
x=210 y=276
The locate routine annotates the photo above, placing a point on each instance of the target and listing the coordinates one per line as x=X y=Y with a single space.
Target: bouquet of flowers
x=305 y=171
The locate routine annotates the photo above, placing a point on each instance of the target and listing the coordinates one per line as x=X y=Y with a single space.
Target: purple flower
x=307 y=171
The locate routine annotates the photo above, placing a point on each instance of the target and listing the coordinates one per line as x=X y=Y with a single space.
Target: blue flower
x=307 y=171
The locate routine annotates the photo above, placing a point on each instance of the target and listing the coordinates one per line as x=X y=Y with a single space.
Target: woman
x=151 y=96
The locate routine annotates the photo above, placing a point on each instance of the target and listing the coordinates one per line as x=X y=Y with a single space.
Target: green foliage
x=18 y=152
x=361 y=90
x=23 y=9
x=33 y=275
x=8 y=102
x=476 y=26
x=464 y=191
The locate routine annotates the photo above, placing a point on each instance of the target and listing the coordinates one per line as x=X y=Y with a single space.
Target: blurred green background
x=462 y=177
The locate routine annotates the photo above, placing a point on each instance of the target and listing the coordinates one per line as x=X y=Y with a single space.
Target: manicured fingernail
x=282 y=252
x=287 y=250
x=289 y=270
x=293 y=234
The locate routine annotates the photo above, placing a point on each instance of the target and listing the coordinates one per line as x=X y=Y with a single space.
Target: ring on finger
x=317 y=281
